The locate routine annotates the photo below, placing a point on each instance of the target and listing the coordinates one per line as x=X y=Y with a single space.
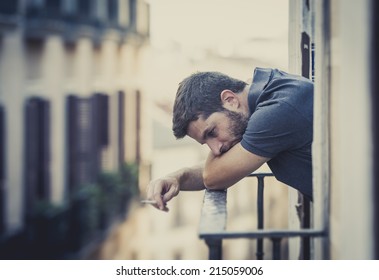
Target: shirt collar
x=261 y=77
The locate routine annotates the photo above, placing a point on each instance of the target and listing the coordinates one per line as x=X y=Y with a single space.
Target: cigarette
x=146 y=201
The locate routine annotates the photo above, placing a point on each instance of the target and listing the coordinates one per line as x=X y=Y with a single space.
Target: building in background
x=71 y=112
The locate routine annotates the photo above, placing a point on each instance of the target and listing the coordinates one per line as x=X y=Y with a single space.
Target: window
x=88 y=133
x=113 y=11
x=81 y=166
x=53 y=6
x=84 y=8
x=37 y=151
x=8 y=7
x=121 y=128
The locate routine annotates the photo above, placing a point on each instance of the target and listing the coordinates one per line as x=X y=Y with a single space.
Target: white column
x=109 y=56
x=53 y=73
x=12 y=82
x=351 y=135
x=83 y=67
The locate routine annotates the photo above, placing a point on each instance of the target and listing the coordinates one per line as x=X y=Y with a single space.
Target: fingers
x=154 y=191
x=161 y=191
x=171 y=192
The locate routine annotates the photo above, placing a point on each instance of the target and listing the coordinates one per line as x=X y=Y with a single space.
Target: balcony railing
x=214 y=218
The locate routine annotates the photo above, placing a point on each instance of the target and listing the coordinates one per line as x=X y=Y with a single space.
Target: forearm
x=215 y=175
x=221 y=172
x=190 y=178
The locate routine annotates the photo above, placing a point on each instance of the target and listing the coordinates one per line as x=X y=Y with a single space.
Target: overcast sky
x=255 y=27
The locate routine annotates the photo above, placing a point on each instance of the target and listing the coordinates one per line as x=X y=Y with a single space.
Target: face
x=220 y=131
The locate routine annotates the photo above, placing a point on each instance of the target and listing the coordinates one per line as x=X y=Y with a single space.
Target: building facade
x=71 y=106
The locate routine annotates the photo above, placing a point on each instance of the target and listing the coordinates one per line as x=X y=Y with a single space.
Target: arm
x=220 y=172
x=164 y=189
x=191 y=178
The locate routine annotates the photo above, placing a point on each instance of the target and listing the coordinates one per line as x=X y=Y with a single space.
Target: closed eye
x=212 y=133
x=209 y=133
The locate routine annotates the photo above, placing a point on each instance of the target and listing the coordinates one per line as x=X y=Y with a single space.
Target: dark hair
x=199 y=95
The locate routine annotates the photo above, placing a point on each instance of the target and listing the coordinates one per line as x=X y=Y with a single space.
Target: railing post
x=260 y=214
x=276 y=249
x=215 y=248
x=306 y=224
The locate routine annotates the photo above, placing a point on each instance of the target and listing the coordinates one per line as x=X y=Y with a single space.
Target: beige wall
x=343 y=146
x=12 y=90
x=351 y=137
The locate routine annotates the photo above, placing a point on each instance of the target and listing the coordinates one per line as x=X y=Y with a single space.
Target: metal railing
x=214 y=217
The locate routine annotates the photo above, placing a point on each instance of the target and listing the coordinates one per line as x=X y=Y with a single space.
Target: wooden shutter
x=121 y=128
x=37 y=150
x=83 y=141
x=101 y=115
x=113 y=11
x=84 y=9
x=9 y=7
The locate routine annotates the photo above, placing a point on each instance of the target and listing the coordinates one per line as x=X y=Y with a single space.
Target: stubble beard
x=238 y=125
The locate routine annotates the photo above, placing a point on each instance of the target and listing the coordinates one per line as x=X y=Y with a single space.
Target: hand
x=162 y=190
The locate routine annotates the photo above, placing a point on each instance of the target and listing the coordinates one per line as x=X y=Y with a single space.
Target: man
x=244 y=125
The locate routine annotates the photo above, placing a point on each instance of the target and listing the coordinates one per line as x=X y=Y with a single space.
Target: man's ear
x=229 y=99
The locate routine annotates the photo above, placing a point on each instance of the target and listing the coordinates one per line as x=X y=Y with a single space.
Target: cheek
x=224 y=134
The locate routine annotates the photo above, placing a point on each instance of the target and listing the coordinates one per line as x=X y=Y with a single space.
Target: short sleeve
x=274 y=127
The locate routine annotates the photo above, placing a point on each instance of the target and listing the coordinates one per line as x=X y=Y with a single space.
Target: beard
x=238 y=124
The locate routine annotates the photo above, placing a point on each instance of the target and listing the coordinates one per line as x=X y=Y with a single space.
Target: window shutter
x=71 y=103
x=53 y=7
x=37 y=151
x=83 y=148
x=84 y=9
x=101 y=115
x=121 y=128
x=9 y=7
x=113 y=11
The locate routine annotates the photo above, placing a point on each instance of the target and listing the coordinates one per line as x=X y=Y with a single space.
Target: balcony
x=214 y=219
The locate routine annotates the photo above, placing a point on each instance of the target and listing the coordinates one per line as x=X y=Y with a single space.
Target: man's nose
x=215 y=147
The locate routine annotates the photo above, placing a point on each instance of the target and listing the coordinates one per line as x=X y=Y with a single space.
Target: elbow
x=210 y=182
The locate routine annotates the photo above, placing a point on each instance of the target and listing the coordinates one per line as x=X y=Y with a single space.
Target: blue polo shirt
x=281 y=126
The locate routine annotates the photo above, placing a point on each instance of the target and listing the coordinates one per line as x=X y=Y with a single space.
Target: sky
x=243 y=27
x=240 y=34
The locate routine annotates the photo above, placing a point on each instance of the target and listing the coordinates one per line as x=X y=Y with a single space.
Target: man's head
x=207 y=106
